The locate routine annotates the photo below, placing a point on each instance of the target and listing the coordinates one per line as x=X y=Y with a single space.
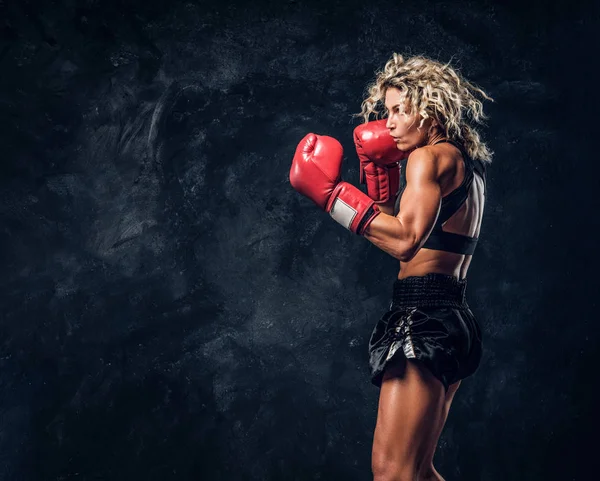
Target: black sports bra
x=439 y=239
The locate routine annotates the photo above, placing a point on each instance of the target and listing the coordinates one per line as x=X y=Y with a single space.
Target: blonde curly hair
x=433 y=89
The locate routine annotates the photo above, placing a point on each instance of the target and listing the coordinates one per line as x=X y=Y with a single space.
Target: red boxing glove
x=379 y=160
x=315 y=173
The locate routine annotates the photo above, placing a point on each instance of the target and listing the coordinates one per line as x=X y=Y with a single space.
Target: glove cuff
x=352 y=208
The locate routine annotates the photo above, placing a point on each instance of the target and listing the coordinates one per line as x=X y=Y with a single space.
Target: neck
x=436 y=137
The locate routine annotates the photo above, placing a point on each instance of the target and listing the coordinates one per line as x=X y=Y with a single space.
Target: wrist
x=352 y=208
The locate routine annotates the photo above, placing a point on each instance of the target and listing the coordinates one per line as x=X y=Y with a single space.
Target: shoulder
x=423 y=162
x=438 y=162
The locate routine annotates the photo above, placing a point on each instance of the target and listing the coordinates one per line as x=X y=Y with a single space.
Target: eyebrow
x=393 y=107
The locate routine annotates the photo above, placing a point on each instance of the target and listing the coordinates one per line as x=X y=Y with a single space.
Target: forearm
x=388 y=233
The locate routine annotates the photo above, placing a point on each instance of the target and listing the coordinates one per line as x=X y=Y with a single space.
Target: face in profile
x=404 y=126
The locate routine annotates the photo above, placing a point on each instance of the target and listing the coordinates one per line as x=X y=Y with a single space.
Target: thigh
x=411 y=406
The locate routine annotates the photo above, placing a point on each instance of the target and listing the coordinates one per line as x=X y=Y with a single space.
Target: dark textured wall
x=172 y=309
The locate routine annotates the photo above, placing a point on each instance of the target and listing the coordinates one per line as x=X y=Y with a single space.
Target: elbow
x=402 y=257
x=407 y=252
x=407 y=243
x=405 y=256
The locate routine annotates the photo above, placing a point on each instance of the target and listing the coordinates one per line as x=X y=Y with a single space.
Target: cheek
x=406 y=124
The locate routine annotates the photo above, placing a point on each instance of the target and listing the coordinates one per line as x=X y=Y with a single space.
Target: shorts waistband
x=430 y=290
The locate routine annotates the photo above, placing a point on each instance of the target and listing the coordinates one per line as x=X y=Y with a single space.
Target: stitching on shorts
x=402 y=336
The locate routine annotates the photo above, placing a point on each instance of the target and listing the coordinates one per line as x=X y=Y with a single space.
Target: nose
x=388 y=124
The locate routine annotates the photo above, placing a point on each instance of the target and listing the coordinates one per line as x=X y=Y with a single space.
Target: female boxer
x=429 y=339
x=424 y=169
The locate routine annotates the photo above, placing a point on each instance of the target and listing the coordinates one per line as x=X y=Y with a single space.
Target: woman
x=424 y=167
x=429 y=339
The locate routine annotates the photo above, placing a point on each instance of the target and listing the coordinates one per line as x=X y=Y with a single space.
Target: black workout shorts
x=428 y=320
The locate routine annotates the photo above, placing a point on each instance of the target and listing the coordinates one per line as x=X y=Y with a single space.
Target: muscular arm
x=402 y=236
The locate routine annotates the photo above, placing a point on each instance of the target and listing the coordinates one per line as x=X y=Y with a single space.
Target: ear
x=433 y=125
